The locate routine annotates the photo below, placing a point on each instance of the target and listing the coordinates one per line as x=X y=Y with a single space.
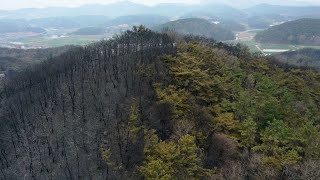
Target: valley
x=52 y=38
x=64 y=36
x=247 y=38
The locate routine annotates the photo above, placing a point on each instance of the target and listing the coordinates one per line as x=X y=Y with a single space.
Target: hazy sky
x=17 y=4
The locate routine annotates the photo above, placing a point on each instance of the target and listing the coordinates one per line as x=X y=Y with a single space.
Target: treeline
x=146 y=105
x=302 y=31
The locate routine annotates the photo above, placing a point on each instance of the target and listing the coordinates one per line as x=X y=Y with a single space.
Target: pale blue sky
x=17 y=4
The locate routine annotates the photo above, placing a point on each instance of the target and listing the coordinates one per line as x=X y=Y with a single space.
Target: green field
x=55 y=42
x=247 y=38
x=251 y=45
x=255 y=30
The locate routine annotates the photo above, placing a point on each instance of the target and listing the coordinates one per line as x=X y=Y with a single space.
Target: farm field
x=58 y=41
x=247 y=38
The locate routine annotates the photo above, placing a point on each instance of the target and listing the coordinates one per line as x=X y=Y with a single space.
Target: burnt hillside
x=59 y=116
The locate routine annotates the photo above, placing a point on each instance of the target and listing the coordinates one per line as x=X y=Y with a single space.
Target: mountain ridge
x=302 y=31
x=197 y=26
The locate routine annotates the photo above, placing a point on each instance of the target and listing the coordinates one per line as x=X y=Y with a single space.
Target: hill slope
x=199 y=27
x=142 y=106
x=308 y=58
x=90 y=31
x=302 y=31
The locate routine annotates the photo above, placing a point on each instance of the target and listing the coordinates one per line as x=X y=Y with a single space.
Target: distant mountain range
x=145 y=19
x=116 y=9
x=122 y=23
x=124 y=8
x=69 y=22
x=14 y=27
x=39 y=25
x=120 y=9
x=288 y=11
x=100 y=19
x=243 y=4
x=112 y=10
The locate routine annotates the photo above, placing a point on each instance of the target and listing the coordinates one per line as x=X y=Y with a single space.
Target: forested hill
x=306 y=58
x=146 y=105
x=90 y=31
x=12 y=60
x=16 y=27
x=302 y=31
x=200 y=27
